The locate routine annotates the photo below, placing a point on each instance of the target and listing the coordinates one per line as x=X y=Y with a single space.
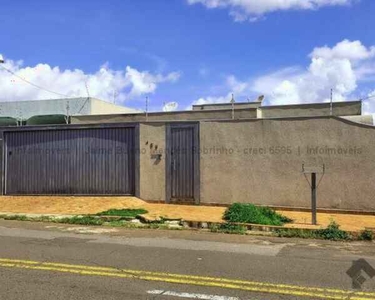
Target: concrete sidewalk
x=92 y=205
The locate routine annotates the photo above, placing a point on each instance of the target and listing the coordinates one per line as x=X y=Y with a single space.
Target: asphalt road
x=53 y=261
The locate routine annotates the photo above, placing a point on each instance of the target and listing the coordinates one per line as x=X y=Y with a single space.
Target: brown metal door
x=183 y=167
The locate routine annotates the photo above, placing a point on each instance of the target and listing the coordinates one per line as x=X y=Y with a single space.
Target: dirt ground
x=92 y=205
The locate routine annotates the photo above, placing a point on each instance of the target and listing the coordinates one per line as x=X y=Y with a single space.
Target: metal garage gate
x=70 y=161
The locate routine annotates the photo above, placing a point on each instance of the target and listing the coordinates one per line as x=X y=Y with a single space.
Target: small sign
x=306 y=169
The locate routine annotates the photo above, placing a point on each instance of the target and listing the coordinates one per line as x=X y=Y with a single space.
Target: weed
x=129 y=213
x=366 y=235
x=249 y=213
x=17 y=218
x=296 y=233
x=84 y=220
x=43 y=219
x=332 y=232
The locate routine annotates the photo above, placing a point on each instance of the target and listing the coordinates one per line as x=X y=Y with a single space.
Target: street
x=55 y=261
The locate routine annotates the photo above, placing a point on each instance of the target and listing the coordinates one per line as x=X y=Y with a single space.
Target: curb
x=172 y=223
x=249 y=226
x=57 y=216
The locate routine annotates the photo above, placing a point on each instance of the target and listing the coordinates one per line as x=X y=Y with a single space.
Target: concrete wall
x=220 y=112
x=27 y=109
x=364 y=119
x=347 y=108
x=167 y=116
x=79 y=106
x=100 y=107
x=220 y=106
x=260 y=161
x=152 y=169
x=2 y=174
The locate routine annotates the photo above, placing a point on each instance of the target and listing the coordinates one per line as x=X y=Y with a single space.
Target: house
x=55 y=111
x=213 y=155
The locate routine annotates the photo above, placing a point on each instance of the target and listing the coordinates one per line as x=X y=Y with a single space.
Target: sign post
x=313 y=198
x=313 y=171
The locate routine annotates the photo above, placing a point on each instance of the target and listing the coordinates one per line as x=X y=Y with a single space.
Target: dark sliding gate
x=70 y=161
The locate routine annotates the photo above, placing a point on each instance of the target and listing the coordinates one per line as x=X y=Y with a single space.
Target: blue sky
x=189 y=51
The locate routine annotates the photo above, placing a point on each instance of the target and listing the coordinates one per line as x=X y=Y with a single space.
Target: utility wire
x=369 y=97
x=33 y=84
x=87 y=99
x=83 y=105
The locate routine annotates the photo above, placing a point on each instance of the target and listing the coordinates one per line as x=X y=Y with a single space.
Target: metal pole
x=67 y=112
x=331 y=104
x=114 y=96
x=232 y=101
x=313 y=197
x=146 y=108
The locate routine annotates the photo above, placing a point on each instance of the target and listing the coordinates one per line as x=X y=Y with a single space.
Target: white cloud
x=170 y=106
x=145 y=82
x=368 y=105
x=252 y=10
x=346 y=49
x=341 y=67
x=129 y=83
x=234 y=86
x=211 y=99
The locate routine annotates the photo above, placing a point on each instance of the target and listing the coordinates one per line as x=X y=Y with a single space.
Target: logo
x=356 y=271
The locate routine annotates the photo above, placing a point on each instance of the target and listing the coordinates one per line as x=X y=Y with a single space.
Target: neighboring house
x=213 y=154
x=53 y=111
x=247 y=110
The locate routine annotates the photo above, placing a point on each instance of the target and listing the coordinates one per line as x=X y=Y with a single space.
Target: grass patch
x=332 y=232
x=128 y=213
x=366 y=235
x=228 y=228
x=84 y=220
x=17 y=218
x=27 y=218
x=249 y=213
x=130 y=225
x=296 y=233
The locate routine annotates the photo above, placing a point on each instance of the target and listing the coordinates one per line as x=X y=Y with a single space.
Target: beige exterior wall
x=170 y=116
x=72 y=106
x=100 y=107
x=152 y=169
x=260 y=161
x=257 y=172
x=364 y=119
x=308 y=110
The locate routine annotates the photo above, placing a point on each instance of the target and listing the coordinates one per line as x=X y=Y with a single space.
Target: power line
x=83 y=105
x=87 y=89
x=369 y=97
x=33 y=84
x=47 y=90
x=87 y=99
